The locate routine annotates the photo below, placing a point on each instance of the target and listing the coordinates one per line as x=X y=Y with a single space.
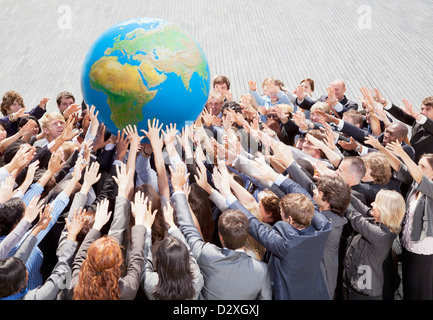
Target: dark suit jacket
x=359 y=135
x=308 y=102
x=228 y=274
x=295 y=255
x=422 y=134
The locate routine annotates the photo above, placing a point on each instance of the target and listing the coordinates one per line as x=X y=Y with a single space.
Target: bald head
x=396 y=131
x=339 y=87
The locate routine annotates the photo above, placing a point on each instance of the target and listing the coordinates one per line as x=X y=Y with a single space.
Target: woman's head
x=425 y=163
x=378 y=168
x=174 y=272
x=13 y=276
x=198 y=200
x=389 y=208
x=100 y=272
x=12 y=102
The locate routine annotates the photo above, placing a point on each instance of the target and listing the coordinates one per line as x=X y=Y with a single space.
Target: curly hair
x=8 y=99
x=380 y=167
x=100 y=272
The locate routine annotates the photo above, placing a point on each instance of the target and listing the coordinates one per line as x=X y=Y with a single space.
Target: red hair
x=100 y=272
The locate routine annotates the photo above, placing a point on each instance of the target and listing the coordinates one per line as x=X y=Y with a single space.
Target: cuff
x=279 y=179
x=230 y=200
x=423 y=119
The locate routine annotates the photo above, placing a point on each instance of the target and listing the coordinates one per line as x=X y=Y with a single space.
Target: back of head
x=12 y=276
x=299 y=207
x=233 y=227
x=198 y=200
x=232 y=105
x=392 y=209
x=173 y=267
x=336 y=192
x=270 y=203
x=380 y=167
x=12 y=149
x=356 y=166
x=100 y=272
x=11 y=213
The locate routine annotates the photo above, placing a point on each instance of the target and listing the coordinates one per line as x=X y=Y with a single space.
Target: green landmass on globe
x=137 y=65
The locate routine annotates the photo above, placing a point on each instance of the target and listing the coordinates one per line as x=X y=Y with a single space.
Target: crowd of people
x=278 y=195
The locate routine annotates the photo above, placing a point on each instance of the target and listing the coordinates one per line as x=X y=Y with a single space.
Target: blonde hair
x=322 y=106
x=392 y=209
x=251 y=243
x=251 y=100
x=48 y=117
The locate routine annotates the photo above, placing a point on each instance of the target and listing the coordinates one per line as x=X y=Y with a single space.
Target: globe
x=145 y=68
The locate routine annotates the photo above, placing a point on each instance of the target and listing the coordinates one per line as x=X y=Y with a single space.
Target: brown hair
x=428 y=102
x=271 y=203
x=357 y=117
x=64 y=95
x=336 y=192
x=310 y=81
x=199 y=202
x=100 y=272
x=429 y=158
x=299 y=207
x=233 y=226
x=380 y=167
x=219 y=79
x=8 y=99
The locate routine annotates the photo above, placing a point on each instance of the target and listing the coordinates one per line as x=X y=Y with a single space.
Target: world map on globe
x=145 y=68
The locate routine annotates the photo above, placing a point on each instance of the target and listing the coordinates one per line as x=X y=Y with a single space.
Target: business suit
x=367 y=250
x=422 y=134
x=228 y=274
x=294 y=255
x=347 y=104
x=330 y=262
x=359 y=135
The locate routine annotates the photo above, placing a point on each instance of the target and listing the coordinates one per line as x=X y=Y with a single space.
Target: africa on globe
x=145 y=68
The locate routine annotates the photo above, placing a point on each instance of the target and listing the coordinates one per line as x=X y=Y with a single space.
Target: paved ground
x=372 y=43
x=384 y=44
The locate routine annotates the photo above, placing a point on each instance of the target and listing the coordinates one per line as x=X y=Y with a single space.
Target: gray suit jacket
x=228 y=274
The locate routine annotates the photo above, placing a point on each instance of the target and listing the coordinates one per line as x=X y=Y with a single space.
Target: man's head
x=340 y=88
x=333 y=194
x=297 y=210
x=309 y=148
x=221 y=84
x=427 y=107
x=11 y=102
x=315 y=114
x=351 y=170
x=354 y=117
x=214 y=103
x=11 y=213
x=64 y=100
x=396 y=131
x=52 y=124
x=269 y=206
x=233 y=228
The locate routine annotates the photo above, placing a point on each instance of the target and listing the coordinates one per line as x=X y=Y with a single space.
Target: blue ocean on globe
x=145 y=68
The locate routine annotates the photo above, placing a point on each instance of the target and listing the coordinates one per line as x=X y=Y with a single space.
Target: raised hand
x=6 y=189
x=170 y=134
x=33 y=209
x=123 y=180
x=142 y=210
x=408 y=108
x=396 y=148
x=178 y=178
x=101 y=215
x=169 y=215
x=300 y=93
x=348 y=145
x=252 y=85
x=44 y=220
x=72 y=109
x=76 y=224
x=152 y=133
x=122 y=145
x=373 y=142
x=43 y=103
x=56 y=162
x=92 y=175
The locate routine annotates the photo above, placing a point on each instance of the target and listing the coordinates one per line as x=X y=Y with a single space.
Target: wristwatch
x=358 y=148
